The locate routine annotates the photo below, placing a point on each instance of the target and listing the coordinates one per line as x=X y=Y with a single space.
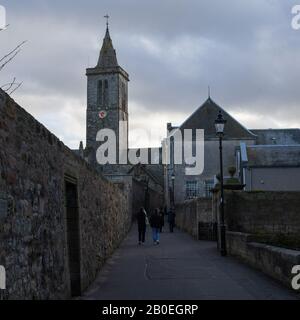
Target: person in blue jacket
x=155 y=223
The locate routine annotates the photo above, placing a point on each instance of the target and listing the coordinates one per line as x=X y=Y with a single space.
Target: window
x=124 y=97
x=99 y=94
x=106 y=94
x=172 y=151
x=209 y=184
x=238 y=162
x=192 y=190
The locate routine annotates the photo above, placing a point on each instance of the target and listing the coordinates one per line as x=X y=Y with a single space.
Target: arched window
x=124 y=97
x=100 y=94
x=106 y=94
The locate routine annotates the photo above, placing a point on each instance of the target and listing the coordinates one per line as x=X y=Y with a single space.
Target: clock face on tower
x=102 y=114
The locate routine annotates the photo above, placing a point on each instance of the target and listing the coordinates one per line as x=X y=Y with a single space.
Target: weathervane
x=107 y=17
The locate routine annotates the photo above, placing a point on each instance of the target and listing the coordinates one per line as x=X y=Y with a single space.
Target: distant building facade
x=187 y=187
x=265 y=159
x=269 y=167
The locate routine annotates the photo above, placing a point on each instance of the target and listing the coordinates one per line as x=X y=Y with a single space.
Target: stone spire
x=108 y=57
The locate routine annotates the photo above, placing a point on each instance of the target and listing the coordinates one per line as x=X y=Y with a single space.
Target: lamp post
x=220 y=124
x=173 y=189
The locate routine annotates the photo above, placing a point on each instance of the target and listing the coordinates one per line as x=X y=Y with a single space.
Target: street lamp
x=173 y=189
x=220 y=124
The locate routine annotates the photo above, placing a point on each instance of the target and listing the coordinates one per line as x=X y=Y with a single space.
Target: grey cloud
x=246 y=50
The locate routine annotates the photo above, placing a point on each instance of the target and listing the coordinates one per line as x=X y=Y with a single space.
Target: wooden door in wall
x=73 y=237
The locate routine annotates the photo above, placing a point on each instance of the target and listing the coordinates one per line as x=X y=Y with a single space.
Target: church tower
x=107 y=99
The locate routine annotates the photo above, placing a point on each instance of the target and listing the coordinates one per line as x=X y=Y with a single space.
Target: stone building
x=271 y=156
x=187 y=187
x=107 y=102
x=107 y=107
x=269 y=167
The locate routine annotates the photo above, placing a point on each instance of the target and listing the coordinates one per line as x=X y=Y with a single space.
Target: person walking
x=155 y=223
x=162 y=219
x=142 y=223
x=171 y=219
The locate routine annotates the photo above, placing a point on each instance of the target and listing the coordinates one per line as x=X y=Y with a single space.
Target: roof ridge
x=209 y=100
x=275 y=129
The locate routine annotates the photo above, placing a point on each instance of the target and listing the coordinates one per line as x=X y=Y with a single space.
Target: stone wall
x=34 y=168
x=263 y=227
x=196 y=218
x=274 y=261
x=263 y=212
x=249 y=212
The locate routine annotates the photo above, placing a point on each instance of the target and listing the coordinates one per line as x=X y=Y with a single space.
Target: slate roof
x=152 y=174
x=107 y=62
x=156 y=170
x=277 y=136
x=273 y=156
x=108 y=56
x=204 y=118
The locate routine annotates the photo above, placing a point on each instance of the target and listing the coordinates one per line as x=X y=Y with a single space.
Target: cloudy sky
x=246 y=51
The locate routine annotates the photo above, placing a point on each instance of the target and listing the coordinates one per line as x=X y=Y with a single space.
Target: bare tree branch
x=14 y=50
x=16 y=88
x=9 y=85
x=5 y=28
x=11 y=55
x=9 y=60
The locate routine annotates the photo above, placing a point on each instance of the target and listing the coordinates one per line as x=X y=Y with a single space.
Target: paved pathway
x=179 y=268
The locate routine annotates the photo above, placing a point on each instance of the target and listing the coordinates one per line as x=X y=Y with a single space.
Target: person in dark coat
x=142 y=223
x=155 y=223
x=162 y=219
x=171 y=219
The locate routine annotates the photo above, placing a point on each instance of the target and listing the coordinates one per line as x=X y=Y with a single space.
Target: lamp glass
x=220 y=128
x=220 y=124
